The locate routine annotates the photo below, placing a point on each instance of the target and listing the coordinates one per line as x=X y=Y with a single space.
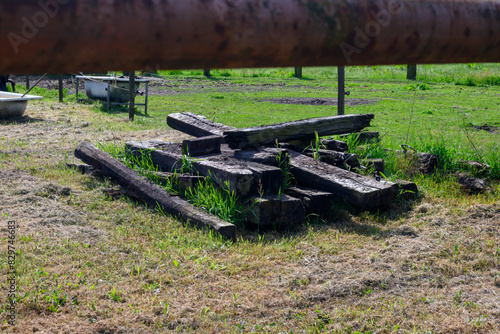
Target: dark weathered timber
x=339 y=159
x=183 y=181
x=82 y=168
x=263 y=178
x=411 y=72
x=376 y=164
x=407 y=189
x=335 y=145
x=424 y=163
x=167 y=156
x=354 y=188
x=341 y=90
x=244 y=178
x=153 y=195
x=201 y=146
x=132 y=89
x=329 y=144
x=298 y=72
x=471 y=184
x=61 y=87
x=314 y=201
x=296 y=130
x=266 y=156
x=475 y=166
x=276 y=211
x=427 y=162
x=364 y=137
x=195 y=125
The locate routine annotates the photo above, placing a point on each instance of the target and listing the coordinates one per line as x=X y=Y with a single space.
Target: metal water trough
x=14 y=105
x=112 y=90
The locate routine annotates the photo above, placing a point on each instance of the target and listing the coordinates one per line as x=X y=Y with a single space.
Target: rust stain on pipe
x=69 y=35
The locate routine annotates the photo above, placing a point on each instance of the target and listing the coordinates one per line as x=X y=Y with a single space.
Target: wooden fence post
x=341 y=90
x=60 y=77
x=411 y=72
x=298 y=72
x=131 y=111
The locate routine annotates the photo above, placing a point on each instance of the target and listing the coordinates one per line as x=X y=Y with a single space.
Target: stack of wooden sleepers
x=250 y=161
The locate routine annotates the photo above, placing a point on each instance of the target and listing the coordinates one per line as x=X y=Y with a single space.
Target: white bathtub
x=96 y=87
x=13 y=104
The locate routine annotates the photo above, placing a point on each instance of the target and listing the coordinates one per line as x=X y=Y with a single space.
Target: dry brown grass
x=430 y=265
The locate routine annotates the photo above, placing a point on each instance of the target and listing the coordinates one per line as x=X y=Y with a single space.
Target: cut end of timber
x=195 y=125
x=202 y=146
x=277 y=211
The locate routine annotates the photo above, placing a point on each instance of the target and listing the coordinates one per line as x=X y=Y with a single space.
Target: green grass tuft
x=219 y=201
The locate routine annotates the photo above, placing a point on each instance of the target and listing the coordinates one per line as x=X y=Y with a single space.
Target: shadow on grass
x=213 y=78
x=120 y=109
x=303 y=78
x=342 y=217
x=20 y=120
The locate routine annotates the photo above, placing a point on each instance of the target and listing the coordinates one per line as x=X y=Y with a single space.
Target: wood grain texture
x=245 y=178
x=339 y=159
x=195 y=125
x=296 y=130
x=354 y=188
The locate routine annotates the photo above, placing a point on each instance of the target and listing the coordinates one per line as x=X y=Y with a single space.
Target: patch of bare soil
x=317 y=101
x=193 y=86
x=165 y=86
x=486 y=127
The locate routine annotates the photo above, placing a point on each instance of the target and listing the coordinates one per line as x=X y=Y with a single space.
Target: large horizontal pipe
x=82 y=35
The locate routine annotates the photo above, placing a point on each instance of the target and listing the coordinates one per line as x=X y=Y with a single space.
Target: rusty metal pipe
x=69 y=35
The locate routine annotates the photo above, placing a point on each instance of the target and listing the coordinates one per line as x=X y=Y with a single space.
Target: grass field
x=89 y=264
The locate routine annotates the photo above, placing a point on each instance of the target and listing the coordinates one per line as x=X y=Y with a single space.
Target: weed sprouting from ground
x=56 y=300
x=352 y=141
x=187 y=164
x=316 y=146
x=219 y=201
x=115 y=295
x=283 y=161
x=142 y=162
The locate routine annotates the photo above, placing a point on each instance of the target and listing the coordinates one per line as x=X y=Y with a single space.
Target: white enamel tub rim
x=14 y=104
x=15 y=97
